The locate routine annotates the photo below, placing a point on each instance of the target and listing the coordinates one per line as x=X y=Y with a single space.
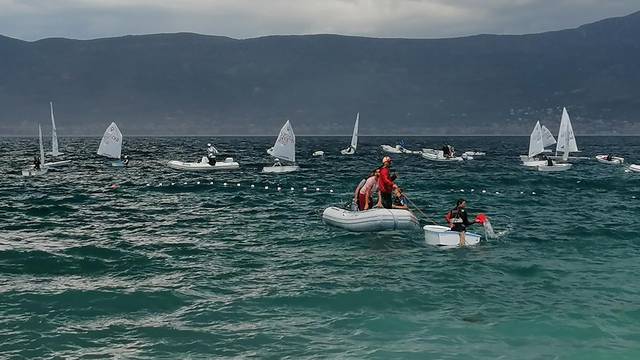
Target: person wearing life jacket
x=399 y=200
x=458 y=219
x=385 y=185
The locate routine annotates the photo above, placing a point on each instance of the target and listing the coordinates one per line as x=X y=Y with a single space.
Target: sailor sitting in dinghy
x=36 y=162
x=125 y=160
x=458 y=219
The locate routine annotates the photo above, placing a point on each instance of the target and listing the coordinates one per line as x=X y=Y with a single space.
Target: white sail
x=285 y=146
x=54 y=134
x=566 y=138
x=111 y=144
x=535 y=141
x=547 y=137
x=41 y=147
x=354 y=137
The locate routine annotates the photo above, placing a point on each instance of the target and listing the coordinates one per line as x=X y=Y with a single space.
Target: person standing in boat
x=365 y=195
x=386 y=185
x=458 y=219
x=211 y=154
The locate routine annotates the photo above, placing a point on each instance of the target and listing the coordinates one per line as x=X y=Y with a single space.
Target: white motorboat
x=54 y=135
x=442 y=236
x=354 y=139
x=285 y=149
x=438 y=155
x=204 y=165
x=31 y=170
x=370 y=220
x=318 y=153
x=615 y=160
x=391 y=149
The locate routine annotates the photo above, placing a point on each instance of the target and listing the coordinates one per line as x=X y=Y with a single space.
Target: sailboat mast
x=41 y=147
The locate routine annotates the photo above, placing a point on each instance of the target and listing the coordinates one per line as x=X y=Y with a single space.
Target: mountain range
x=191 y=84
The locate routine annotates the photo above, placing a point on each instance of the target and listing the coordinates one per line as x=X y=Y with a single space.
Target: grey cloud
x=83 y=19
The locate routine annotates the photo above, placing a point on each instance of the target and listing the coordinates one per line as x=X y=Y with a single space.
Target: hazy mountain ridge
x=196 y=84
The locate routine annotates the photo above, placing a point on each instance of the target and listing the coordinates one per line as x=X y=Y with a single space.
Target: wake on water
x=490 y=233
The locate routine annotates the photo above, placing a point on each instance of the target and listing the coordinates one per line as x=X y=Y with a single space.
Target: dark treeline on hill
x=175 y=84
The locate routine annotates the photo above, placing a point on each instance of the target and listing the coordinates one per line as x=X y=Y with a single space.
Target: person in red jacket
x=385 y=184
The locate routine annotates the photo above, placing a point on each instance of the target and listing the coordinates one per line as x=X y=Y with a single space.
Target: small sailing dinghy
x=372 y=220
x=438 y=155
x=204 y=165
x=634 y=168
x=54 y=135
x=566 y=140
x=285 y=149
x=613 y=160
x=442 y=236
x=111 y=144
x=32 y=171
x=536 y=147
x=318 y=153
x=354 y=139
x=566 y=144
x=547 y=140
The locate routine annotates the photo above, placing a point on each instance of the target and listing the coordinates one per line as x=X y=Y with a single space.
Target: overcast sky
x=86 y=19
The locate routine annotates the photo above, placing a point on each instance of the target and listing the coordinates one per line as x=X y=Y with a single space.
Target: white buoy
x=266 y=188
x=472 y=190
x=148 y=185
x=211 y=183
x=521 y=192
x=331 y=191
x=160 y=184
x=225 y=184
x=173 y=184
x=461 y=190
x=184 y=183
x=292 y=189
x=484 y=191
x=304 y=189
x=317 y=189
x=533 y=193
x=252 y=186
x=279 y=188
x=198 y=183
x=238 y=184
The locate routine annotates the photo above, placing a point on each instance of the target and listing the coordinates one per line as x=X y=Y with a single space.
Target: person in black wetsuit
x=549 y=162
x=36 y=162
x=458 y=219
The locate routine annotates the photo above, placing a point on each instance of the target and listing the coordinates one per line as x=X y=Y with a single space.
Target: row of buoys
x=252 y=186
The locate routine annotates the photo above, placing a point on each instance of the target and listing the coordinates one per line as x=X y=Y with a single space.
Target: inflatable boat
x=441 y=236
x=615 y=160
x=203 y=165
x=370 y=220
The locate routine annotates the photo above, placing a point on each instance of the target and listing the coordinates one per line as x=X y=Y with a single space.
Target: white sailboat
x=111 y=144
x=54 y=135
x=354 y=139
x=566 y=144
x=32 y=171
x=536 y=147
x=285 y=149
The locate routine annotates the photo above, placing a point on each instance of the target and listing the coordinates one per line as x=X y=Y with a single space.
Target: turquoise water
x=214 y=271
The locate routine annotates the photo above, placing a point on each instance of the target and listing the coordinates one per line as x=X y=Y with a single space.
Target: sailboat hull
x=348 y=151
x=634 y=168
x=280 y=169
x=33 y=172
x=554 y=168
x=442 y=236
x=203 y=165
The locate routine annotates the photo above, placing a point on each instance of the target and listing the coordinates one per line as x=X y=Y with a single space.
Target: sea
x=146 y=262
